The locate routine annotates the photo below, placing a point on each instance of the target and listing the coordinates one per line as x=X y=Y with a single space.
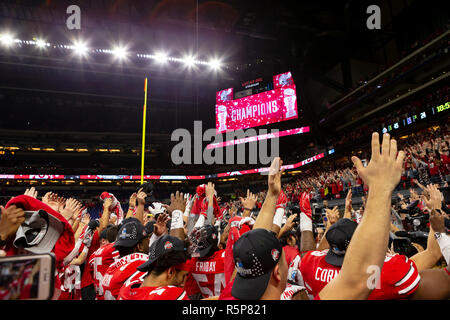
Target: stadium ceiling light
x=41 y=43
x=119 y=52
x=189 y=61
x=161 y=57
x=6 y=39
x=80 y=47
x=215 y=64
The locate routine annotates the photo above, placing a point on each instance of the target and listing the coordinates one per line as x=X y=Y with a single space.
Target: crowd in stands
x=413 y=107
x=196 y=246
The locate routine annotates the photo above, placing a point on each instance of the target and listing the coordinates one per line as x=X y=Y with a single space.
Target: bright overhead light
x=161 y=57
x=80 y=48
x=119 y=52
x=215 y=64
x=6 y=39
x=40 y=43
x=189 y=61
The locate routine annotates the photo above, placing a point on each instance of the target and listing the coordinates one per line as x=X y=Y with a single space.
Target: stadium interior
x=72 y=118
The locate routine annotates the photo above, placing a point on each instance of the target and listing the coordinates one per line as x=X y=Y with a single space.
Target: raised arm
x=141 y=195
x=131 y=205
x=348 y=205
x=429 y=257
x=104 y=219
x=265 y=216
x=176 y=210
x=248 y=203
x=367 y=249
x=332 y=218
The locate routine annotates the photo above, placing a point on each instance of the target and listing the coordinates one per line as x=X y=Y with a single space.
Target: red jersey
x=5 y=294
x=209 y=274
x=290 y=253
x=399 y=275
x=86 y=278
x=340 y=186
x=226 y=293
x=119 y=272
x=99 y=263
x=134 y=292
x=70 y=283
x=235 y=233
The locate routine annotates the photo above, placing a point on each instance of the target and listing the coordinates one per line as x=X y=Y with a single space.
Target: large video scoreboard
x=273 y=102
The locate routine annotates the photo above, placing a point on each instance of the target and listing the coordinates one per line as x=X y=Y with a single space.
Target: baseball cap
x=130 y=234
x=39 y=232
x=203 y=240
x=163 y=245
x=255 y=253
x=338 y=237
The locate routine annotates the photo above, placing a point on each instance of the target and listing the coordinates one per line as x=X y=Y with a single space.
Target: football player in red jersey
x=399 y=275
x=260 y=268
x=96 y=227
x=207 y=263
x=366 y=253
x=164 y=273
x=101 y=259
x=132 y=241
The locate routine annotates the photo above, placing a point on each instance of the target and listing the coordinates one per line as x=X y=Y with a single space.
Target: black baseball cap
x=163 y=245
x=205 y=239
x=130 y=233
x=148 y=188
x=255 y=253
x=338 y=237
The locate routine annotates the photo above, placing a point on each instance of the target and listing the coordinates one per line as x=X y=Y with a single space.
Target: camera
x=27 y=277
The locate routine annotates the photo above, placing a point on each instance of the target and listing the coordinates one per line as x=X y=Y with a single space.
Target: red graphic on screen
x=259 y=109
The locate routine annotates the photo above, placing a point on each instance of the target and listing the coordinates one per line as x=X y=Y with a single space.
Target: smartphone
x=27 y=277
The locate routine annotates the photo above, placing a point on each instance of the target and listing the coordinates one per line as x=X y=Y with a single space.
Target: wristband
x=444 y=243
x=248 y=209
x=305 y=222
x=278 y=218
x=177 y=220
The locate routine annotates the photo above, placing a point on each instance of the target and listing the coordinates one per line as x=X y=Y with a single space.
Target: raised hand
x=250 y=201
x=433 y=197
x=274 y=180
x=290 y=222
x=332 y=215
x=72 y=207
x=209 y=190
x=385 y=167
x=141 y=198
x=31 y=192
x=348 y=200
x=160 y=227
x=10 y=221
x=53 y=201
x=132 y=201
x=177 y=202
x=107 y=203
